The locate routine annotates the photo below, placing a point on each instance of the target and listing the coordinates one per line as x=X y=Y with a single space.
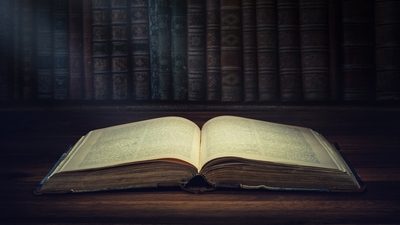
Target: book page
x=162 y=138
x=226 y=136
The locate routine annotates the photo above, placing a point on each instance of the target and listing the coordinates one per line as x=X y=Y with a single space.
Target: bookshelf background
x=200 y=50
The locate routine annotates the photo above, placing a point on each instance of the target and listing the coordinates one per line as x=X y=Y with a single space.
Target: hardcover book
x=27 y=49
x=6 y=50
x=155 y=95
x=228 y=151
x=87 y=49
x=75 y=50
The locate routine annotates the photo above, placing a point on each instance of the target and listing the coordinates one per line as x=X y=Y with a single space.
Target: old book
x=249 y=37
x=228 y=151
x=179 y=49
x=231 y=51
x=44 y=29
x=119 y=49
x=87 y=33
x=27 y=49
x=140 y=50
x=267 y=50
x=335 y=56
x=291 y=87
x=75 y=50
x=387 y=49
x=213 y=45
x=101 y=49
x=196 y=25
x=153 y=49
x=17 y=50
x=60 y=49
x=6 y=50
x=314 y=45
x=358 y=50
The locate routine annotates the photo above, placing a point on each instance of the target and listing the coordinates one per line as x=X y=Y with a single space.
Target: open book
x=228 y=151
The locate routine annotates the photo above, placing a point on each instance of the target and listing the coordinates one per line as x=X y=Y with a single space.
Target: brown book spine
x=289 y=50
x=213 y=51
x=196 y=25
x=249 y=35
x=101 y=50
x=387 y=32
x=267 y=50
x=335 y=71
x=314 y=46
x=140 y=50
x=75 y=49
x=119 y=49
x=358 y=50
x=87 y=49
x=231 y=50
x=27 y=49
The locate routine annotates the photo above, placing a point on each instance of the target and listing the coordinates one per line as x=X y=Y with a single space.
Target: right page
x=231 y=136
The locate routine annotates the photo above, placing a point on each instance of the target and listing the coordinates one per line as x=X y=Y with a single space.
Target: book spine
x=27 y=49
x=163 y=11
x=60 y=49
x=153 y=49
x=75 y=50
x=179 y=49
x=87 y=49
x=314 y=46
x=267 y=50
x=358 y=50
x=119 y=49
x=196 y=25
x=101 y=50
x=289 y=50
x=17 y=50
x=140 y=50
x=44 y=50
x=335 y=71
x=387 y=48
x=249 y=35
x=6 y=50
x=231 y=50
x=213 y=74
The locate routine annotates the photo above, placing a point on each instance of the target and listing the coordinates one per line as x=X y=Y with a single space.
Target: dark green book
x=153 y=49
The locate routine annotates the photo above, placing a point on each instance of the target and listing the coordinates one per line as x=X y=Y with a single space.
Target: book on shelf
x=75 y=50
x=335 y=56
x=6 y=50
x=228 y=151
x=153 y=31
x=27 y=34
x=17 y=50
x=87 y=46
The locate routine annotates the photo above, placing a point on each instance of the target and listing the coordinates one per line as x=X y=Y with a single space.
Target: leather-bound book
x=314 y=46
x=213 y=73
x=163 y=11
x=119 y=49
x=335 y=56
x=179 y=49
x=140 y=50
x=358 y=50
x=289 y=50
x=75 y=50
x=249 y=35
x=231 y=50
x=27 y=49
x=387 y=33
x=87 y=47
x=196 y=25
x=267 y=50
x=44 y=29
x=17 y=50
x=101 y=50
x=153 y=49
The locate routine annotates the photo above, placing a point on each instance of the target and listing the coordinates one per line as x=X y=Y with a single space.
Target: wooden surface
x=32 y=139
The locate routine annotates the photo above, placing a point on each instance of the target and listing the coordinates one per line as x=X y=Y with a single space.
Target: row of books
x=200 y=50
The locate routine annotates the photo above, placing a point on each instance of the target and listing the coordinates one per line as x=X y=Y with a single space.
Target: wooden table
x=33 y=138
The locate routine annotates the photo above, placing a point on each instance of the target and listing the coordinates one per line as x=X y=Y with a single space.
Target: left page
x=165 y=138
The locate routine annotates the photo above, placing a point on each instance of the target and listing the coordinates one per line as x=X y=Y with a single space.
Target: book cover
x=87 y=49
x=153 y=49
x=179 y=49
x=163 y=11
x=387 y=49
x=101 y=50
x=6 y=50
x=249 y=35
x=213 y=29
x=335 y=56
x=140 y=50
x=119 y=49
x=267 y=50
x=196 y=25
x=314 y=45
x=75 y=50
x=27 y=49
x=231 y=51
x=60 y=49
x=290 y=78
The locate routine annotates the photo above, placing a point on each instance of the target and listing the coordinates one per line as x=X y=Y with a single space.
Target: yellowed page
x=167 y=137
x=253 y=139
